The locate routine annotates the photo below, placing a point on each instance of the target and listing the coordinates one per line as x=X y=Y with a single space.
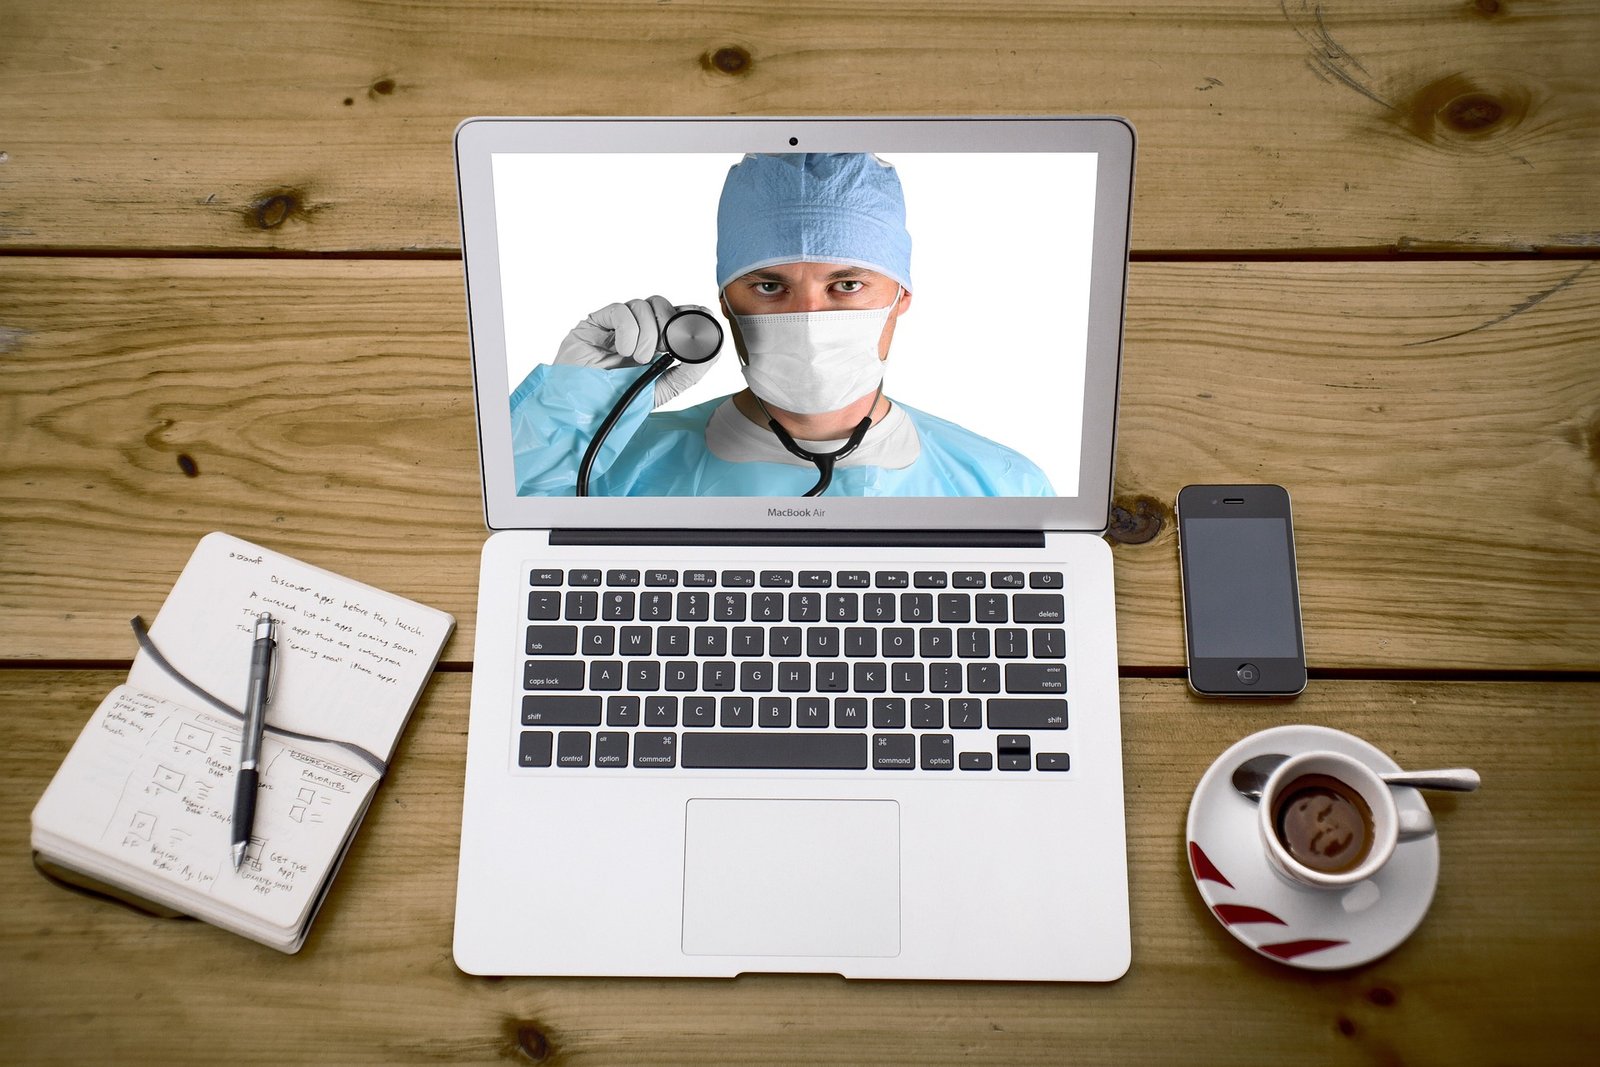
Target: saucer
x=1317 y=929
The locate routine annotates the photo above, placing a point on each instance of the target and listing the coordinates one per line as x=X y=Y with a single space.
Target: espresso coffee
x=1324 y=823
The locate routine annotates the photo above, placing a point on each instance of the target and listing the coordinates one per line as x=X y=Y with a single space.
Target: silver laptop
x=796 y=645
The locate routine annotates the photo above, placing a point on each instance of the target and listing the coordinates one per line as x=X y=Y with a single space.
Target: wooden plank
x=1499 y=971
x=307 y=124
x=1438 y=425
x=323 y=409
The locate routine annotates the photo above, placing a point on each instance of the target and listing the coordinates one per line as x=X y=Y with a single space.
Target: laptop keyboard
x=881 y=670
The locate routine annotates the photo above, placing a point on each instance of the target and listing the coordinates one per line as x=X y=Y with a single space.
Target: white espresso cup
x=1328 y=821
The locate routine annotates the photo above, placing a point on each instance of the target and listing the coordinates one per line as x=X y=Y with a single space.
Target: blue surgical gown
x=557 y=408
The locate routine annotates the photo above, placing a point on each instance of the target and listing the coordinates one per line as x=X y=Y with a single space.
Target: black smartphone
x=1241 y=593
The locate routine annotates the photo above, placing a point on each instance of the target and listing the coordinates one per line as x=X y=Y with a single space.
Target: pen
x=255 y=720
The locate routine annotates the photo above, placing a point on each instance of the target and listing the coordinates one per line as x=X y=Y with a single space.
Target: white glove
x=627 y=335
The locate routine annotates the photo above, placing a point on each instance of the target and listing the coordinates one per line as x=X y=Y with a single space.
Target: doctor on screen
x=814 y=268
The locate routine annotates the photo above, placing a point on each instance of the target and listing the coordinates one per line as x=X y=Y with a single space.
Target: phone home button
x=1249 y=673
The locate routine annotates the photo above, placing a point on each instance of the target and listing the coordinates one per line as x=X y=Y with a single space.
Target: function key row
x=626 y=578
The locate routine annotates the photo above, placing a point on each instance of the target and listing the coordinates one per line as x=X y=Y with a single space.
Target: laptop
x=719 y=725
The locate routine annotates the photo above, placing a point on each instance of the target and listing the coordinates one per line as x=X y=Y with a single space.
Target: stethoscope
x=823 y=460
x=693 y=336
x=690 y=336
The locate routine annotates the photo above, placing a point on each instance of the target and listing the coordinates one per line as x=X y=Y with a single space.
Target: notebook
x=141 y=805
x=800 y=657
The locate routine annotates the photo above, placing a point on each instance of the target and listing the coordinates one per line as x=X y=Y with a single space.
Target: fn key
x=534 y=748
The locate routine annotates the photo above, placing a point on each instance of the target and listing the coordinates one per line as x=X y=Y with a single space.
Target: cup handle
x=1415 y=823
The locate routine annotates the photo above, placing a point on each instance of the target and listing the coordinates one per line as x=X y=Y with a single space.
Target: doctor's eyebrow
x=841 y=273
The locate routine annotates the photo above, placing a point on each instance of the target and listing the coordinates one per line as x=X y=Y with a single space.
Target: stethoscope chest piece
x=691 y=336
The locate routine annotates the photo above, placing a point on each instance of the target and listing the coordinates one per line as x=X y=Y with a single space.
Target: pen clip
x=275 y=662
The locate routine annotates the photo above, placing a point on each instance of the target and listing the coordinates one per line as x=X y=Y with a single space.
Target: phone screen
x=1241 y=588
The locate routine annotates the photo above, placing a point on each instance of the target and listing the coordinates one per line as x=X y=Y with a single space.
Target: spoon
x=1252 y=775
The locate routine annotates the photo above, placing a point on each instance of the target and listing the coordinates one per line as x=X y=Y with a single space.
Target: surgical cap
x=812 y=207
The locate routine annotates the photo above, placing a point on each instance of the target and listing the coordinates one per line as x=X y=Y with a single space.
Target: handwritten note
x=347 y=653
x=328 y=628
x=149 y=787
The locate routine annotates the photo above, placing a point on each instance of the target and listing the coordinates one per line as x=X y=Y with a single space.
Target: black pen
x=255 y=720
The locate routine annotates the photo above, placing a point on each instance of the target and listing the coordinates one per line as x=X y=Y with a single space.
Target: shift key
x=541 y=710
x=1041 y=713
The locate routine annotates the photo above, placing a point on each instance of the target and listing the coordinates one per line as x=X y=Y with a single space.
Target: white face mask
x=810 y=362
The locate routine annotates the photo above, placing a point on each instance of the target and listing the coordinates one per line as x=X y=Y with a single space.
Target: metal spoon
x=1252 y=775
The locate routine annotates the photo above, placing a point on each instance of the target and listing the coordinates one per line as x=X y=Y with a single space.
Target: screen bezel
x=1110 y=139
x=1280 y=676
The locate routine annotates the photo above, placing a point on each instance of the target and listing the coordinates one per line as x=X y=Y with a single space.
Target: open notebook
x=141 y=806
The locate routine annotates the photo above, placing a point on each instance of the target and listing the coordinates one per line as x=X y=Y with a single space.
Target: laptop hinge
x=819 y=538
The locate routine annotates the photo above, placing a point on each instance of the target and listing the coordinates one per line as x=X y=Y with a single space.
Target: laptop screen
x=909 y=321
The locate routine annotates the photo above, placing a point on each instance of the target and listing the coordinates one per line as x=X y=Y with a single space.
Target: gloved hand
x=629 y=334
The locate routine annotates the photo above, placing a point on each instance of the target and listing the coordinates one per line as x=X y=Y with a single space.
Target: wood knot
x=381 y=87
x=1382 y=996
x=1346 y=1025
x=1455 y=107
x=1473 y=113
x=532 y=1043
x=1586 y=438
x=273 y=209
x=1487 y=8
x=1136 y=521
x=729 y=59
x=188 y=466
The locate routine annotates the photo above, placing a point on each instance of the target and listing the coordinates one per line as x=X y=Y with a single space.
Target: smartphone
x=1241 y=593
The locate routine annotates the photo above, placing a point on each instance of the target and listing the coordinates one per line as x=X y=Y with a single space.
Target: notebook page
x=145 y=798
x=351 y=659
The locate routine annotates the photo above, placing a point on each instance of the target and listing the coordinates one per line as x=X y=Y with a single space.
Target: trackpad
x=791 y=878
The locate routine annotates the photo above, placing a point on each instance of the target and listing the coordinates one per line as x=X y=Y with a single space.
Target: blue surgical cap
x=812 y=207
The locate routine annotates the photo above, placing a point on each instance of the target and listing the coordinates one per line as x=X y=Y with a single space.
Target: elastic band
x=154 y=653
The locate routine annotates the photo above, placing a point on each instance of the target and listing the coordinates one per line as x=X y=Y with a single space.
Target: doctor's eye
x=850 y=285
x=768 y=288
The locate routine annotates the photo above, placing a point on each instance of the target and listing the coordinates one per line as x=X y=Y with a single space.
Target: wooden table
x=1365 y=267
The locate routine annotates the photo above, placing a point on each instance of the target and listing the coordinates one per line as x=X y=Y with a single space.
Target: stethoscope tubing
x=823 y=461
x=657 y=369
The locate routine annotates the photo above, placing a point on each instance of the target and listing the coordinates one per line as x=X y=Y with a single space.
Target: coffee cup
x=1328 y=821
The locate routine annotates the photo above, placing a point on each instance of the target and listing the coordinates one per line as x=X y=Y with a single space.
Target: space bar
x=811 y=752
